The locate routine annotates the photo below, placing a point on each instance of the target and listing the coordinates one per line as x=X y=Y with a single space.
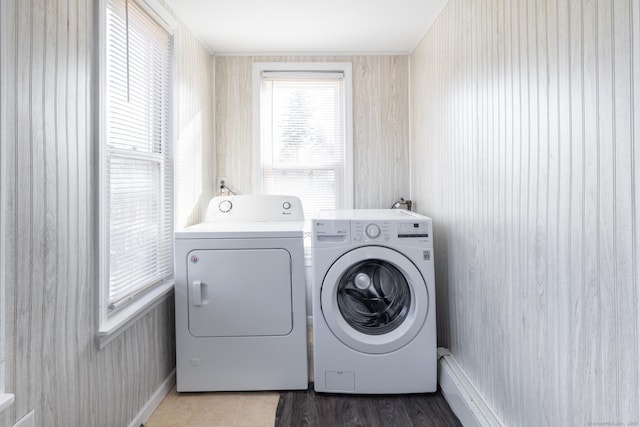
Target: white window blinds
x=137 y=200
x=303 y=137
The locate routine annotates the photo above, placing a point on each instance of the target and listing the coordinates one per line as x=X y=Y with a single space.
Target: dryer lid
x=248 y=217
x=242 y=230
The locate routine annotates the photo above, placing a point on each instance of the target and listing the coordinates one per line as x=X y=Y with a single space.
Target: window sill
x=121 y=321
x=6 y=400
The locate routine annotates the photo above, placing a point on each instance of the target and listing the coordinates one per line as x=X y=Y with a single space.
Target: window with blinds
x=305 y=133
x=136 y=154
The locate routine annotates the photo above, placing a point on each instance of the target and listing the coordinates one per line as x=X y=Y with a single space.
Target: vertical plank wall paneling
x=380 y=121
x=194 y=151
x=49 y=185
x=525 y=124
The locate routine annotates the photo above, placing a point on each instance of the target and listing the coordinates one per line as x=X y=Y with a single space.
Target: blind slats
x=138 y=152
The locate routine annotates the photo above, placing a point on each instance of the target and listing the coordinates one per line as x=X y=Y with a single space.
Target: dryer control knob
x=372 y=231
x=225 y=206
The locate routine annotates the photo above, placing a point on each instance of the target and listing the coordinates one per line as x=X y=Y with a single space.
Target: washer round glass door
x=374 y=299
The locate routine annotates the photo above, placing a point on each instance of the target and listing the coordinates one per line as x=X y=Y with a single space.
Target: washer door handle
x=199 y=293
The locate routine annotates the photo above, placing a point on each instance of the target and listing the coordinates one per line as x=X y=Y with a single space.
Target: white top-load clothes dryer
x=240 y=297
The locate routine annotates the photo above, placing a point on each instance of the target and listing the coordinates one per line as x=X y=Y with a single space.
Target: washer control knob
x=372 y=231
x=225 y=206
x=286 y=205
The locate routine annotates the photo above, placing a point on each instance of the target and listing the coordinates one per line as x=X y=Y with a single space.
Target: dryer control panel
x=254 y=208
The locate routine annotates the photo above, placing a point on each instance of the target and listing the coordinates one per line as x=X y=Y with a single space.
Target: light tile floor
x=228 y=409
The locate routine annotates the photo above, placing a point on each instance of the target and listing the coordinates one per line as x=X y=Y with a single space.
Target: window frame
x=305 y=68
x=112 y=325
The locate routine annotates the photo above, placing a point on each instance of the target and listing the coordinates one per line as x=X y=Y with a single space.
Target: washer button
x=286 y=205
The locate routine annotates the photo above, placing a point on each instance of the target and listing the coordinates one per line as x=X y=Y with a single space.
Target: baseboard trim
x=154 y=401
x=462 y=396
x=28 y=420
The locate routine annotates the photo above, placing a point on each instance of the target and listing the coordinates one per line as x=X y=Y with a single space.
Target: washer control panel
x=386 y=231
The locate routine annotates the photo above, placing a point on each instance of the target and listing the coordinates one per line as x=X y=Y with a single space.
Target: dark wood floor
x=308 y=409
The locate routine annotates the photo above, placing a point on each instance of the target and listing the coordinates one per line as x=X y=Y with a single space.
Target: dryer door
x=239 y=292
x=374 y=299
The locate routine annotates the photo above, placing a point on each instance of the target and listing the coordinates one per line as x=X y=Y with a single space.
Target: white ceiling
x=305 y=26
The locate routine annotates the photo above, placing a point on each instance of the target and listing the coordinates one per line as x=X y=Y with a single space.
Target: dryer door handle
x=199 y=293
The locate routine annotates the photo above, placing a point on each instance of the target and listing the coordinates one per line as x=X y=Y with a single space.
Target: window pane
x=303 y=140
x=139 y=253
x=138 y=163
x=322 y=183
x=138 y=79
x=307 y=124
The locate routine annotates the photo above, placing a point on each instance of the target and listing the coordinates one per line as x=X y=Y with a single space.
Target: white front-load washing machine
x=240 y=297
x=374 y=320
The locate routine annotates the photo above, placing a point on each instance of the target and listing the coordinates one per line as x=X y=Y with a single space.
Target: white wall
x=525 y=127
x=195 y=150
